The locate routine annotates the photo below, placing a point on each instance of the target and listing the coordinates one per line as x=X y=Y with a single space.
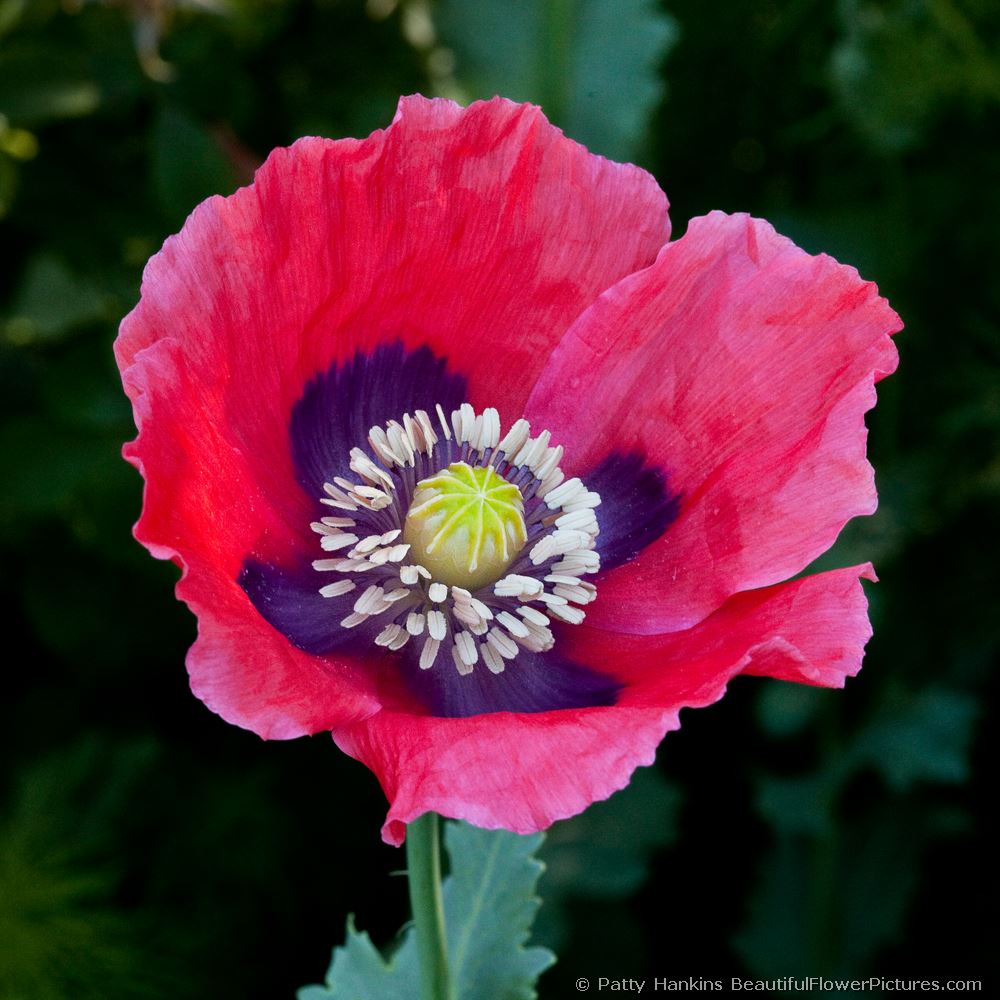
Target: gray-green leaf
x=921 y=737
x=593 y=65
x=358 y=971
x=490 y=905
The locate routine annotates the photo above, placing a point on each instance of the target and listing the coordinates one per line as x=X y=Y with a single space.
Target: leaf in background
x=785 y=710
x=923 y=736
x=593 y=65
x=51 y=301
x=10 y=14
x=17 y=143
x=774 y=940
x=40 y=84
x=496 y=45
x=47 y=466
x=76 y=389
x=8 y=184
x=604 y=852
x=65 y=932
x=829 y=903
x=831 y=898
x=188 y=165
x=799 y=805
x=620 y=46
x=897 y=65
x=489 y=905
x=878 y=876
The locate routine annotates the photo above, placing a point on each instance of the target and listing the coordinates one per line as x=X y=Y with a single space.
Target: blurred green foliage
x=593 y=64
x=147 y=849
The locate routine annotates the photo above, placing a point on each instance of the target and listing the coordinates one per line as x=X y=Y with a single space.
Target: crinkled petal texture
x=522 y=772
x=743 y=367
x=478 y=233
x=714 y=388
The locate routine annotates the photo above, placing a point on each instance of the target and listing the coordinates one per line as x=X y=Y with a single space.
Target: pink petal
x=812 y=630
x=201 y=506
x=523 y=772
x=743 y=367
x=480 y=232
x=250 y=674
x=503 y=771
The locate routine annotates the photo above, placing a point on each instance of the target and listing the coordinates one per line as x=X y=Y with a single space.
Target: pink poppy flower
x=463 y=461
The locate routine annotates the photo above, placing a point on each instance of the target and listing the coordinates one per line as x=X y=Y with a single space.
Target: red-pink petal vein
x=742 y=367
x=480 y=233
x=522 y=772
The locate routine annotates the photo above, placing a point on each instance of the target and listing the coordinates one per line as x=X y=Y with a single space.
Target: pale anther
x=453 y=491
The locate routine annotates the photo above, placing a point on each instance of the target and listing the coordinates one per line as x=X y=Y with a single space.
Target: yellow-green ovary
x=466 y=525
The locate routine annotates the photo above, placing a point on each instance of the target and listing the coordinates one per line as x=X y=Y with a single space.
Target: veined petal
x=476 y=235
x=523 y=772
x=481 y=233
x=510 y=771
x=741 y=367
x=711 y=396
x=812 y=630
x=248 y=673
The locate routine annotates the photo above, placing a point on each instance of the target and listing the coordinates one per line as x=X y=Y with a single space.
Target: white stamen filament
x=467 y=648
x=492 y=659
x=532 y=615
x=437 y=625
x=502 y=643
x=461 y=665
x=429 y=653
x=339 y=540
x=482 y=623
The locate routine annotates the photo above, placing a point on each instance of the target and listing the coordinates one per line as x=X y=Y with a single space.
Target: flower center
x=462 y=540
x=465 y=525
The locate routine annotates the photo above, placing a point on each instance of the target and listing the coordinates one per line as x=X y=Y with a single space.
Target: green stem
x=423 y=858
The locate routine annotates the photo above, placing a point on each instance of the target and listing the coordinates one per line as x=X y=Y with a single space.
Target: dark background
x=147 y=849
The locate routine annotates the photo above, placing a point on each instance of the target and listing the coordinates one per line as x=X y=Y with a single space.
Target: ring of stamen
x=526 y=540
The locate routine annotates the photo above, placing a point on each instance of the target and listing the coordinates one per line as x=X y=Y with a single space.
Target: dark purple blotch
x=533 y=682
x=335 y=412
x=340 y=406
x=289 y=599
x=637 y=506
